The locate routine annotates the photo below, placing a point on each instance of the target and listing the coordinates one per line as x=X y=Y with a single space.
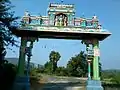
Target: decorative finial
x=27 y=13
x=62 y=1
x=94 y=17
x=83 y=15
x=99 y=26
x=39 y=14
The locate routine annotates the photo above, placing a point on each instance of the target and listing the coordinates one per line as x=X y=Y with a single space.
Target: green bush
x=61 y=71
x=116 y=78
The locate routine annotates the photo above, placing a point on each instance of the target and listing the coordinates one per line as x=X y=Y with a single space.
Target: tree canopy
x=54 y=58
x=77 y=66
x=7 y=23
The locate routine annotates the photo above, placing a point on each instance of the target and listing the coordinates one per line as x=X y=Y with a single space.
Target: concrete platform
x=94 y=85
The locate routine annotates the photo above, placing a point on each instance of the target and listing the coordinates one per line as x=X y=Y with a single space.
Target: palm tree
x=54 y=58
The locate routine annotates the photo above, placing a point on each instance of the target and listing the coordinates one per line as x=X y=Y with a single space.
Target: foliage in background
x=61 y=71
x=77 y=66
x=111 y=76
x=54 y=57
x=48 y=67
x=7 y=23
x=116 y=78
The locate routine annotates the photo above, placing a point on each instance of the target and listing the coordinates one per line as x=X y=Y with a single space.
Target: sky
x=109 y=16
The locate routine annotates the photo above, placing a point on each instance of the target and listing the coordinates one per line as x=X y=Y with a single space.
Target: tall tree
x=7 y=21
x=77 y=66
x=54 y=58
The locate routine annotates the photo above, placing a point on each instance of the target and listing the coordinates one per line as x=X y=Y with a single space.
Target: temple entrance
x=59 y=24
x=61 y=20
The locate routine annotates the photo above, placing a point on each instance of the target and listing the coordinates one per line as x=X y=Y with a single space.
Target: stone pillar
x=95 y=83
x=52 y=16
x=21 y=63
x=68 y=16
x=89 y=69
x=96 y=60
x=21 y=81
x=70 y=20
x=88 y=59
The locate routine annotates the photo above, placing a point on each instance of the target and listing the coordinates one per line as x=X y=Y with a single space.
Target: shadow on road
x=37 y=84
x=62 y=86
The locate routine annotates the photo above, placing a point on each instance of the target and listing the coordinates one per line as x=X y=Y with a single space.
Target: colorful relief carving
x=64 y=16
x=60 y=20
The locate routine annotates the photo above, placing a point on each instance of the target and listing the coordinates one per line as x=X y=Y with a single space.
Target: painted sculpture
x=61 y=15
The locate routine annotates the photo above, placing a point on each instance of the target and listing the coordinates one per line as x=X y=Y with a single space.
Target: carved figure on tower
x=56 y=21
x=65 y=21
x=95 y=21
x=61 y=20
x=28 y=19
